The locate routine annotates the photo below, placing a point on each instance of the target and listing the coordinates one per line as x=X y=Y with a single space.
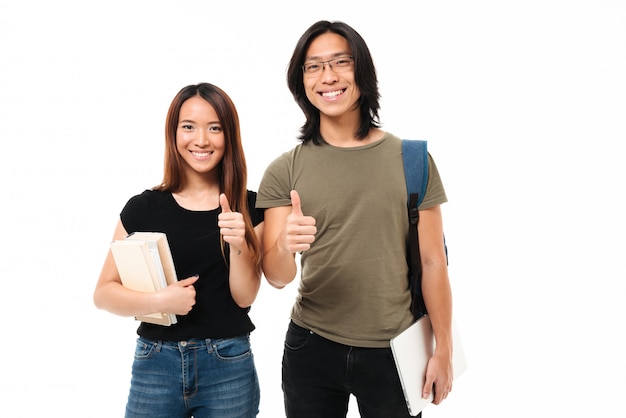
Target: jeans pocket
x=232 y=348
x=144 y=349
x=296 y=337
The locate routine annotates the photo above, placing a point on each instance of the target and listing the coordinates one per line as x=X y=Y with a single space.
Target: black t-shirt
x=194 y=240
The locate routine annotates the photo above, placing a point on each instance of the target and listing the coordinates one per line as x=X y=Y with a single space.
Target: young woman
x=202 y=366
x=339 y=199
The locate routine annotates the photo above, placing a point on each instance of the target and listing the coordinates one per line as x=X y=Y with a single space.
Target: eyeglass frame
x=328 y=62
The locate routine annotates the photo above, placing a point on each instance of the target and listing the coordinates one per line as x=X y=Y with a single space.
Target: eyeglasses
x=338 y=65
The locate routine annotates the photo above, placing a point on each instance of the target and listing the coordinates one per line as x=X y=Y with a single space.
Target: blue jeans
x=199 y=378
x=319 y=375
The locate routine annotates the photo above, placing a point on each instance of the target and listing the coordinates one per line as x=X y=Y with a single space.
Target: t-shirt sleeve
x=435 y=192
x=256 y=215
x=275 y=187
x=134 y=212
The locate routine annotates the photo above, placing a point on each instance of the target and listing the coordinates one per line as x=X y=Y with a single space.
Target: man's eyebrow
x=335 y=55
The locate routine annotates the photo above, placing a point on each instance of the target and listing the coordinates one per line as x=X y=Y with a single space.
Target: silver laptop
x=411 y=351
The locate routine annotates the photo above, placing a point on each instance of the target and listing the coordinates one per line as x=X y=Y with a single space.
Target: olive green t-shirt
x=353 y=287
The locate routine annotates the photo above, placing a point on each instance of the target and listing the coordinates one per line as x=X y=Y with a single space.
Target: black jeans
x=319 y=375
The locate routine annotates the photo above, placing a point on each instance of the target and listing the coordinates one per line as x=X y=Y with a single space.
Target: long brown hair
x=233 y=169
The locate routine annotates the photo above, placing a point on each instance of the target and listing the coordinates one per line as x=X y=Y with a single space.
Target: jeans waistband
x=189 y=344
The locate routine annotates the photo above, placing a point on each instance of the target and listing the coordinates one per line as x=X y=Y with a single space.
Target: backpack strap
x=415 y=159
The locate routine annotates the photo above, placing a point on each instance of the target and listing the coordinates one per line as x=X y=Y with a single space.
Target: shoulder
x=388 y=143
x=145 y=202
x=147 y=197
x=151 y=210
x=280 y=168
x=288 y=156
x=388 y=136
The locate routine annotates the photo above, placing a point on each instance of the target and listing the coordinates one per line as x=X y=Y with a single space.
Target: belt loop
x=210 y=345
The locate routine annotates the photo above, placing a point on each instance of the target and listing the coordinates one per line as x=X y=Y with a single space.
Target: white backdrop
x=524 y=107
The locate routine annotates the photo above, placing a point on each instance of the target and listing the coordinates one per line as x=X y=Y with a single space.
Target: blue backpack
x=415 y=159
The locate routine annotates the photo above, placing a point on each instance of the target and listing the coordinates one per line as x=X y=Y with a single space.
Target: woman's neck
x=198 y=195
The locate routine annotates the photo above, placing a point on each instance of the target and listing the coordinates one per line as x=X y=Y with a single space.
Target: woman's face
x=199 y=136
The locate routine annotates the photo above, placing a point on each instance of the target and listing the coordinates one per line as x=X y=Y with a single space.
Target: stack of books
x=145 y=264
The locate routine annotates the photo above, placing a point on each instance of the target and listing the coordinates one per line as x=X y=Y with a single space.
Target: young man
x=339 y=199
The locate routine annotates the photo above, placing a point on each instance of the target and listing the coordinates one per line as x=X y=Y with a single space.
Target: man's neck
x=340 y=131
x=344 y=135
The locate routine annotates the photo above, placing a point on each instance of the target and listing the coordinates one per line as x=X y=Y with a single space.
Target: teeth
x=331 y=94
x=200 y=154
